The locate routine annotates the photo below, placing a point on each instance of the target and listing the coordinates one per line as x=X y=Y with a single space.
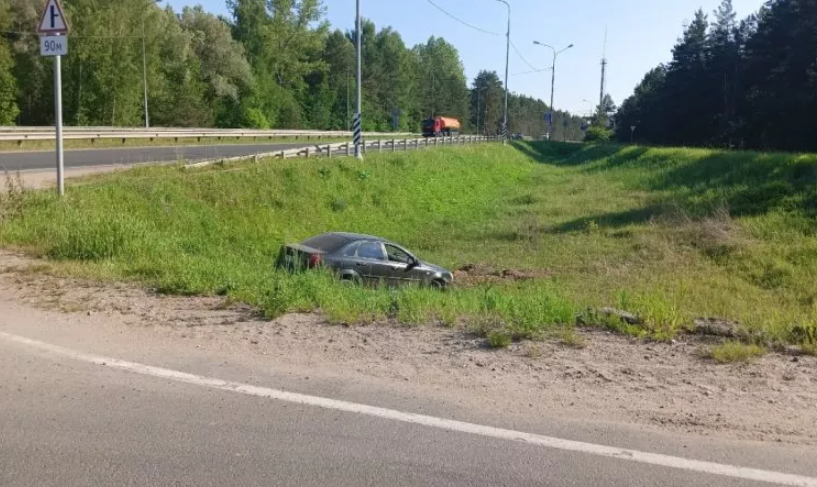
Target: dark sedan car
x=363 y=259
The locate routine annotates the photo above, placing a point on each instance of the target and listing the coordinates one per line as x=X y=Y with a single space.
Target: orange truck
x=441 y=127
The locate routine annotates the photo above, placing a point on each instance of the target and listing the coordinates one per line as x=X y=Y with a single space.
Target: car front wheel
x=438 y=284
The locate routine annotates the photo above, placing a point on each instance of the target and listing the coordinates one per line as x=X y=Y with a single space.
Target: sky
x=640 y=35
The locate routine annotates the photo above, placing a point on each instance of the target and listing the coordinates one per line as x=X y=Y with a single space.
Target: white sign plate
x=52 y=21
x=54 y=45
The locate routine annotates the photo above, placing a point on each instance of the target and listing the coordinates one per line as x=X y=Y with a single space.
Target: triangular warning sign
x=52 y=21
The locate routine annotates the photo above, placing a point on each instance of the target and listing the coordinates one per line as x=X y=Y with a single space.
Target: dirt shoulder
x=613 y=379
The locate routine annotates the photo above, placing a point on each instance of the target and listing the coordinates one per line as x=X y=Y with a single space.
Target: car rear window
x=327 y=242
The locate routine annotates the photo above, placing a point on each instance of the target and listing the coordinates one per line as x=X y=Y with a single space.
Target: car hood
x=435 y=268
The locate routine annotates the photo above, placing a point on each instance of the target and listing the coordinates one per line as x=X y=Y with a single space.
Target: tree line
x=269 y=64
x=742 y=84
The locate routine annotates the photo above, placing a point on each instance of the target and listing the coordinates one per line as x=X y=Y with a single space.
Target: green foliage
x=598 y=133
x=272 y=63
x=8 y=87
x=8 y=84
x=747 y=84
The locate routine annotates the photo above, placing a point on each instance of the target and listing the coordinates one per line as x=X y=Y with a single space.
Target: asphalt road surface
x=71 y=418
x=25 y=160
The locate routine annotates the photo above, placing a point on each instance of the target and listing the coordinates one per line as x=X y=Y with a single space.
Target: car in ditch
x=363 y=259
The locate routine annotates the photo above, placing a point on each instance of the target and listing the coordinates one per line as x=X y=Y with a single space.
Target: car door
x=400 y=270
x=371 y=260
x=346 y=262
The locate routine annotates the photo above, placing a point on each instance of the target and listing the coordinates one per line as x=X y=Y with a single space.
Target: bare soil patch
x=476 y=274
x=613 y=378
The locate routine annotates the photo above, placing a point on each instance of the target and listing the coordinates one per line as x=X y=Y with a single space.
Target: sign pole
x=358 y=128
x=58 y=123
x=53 y=30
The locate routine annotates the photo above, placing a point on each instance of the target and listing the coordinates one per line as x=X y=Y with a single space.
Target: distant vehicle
x=441 y=127
x=363 y=259
x=518 y=136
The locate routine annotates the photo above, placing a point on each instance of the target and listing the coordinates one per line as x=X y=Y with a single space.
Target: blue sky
x=641 y=34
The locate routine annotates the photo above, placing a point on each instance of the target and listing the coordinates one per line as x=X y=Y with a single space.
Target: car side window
x=397 y=255
x=351 y=250
x=371 y=250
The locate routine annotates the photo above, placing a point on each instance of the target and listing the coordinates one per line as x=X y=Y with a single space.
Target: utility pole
x=507 y=63
x=552 y=82
x=358 y=137
x=603 y=71
x=145 y=64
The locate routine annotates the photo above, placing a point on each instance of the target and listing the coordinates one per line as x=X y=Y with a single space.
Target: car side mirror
x=413 y=262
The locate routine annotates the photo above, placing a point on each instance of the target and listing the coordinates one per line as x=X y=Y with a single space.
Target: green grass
x=731 y=352
x=667 y=234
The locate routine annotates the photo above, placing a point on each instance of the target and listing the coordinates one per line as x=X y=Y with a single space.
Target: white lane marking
x=430 y=421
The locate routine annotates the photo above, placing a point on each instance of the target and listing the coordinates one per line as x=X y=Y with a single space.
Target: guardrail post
x=393 y=145
x=307 y=152
x=348 y=149
x=379 y=145
x=328 y=150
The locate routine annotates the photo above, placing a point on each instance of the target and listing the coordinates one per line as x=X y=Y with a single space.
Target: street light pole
x=145 y=64
x=507 y=63
x=552 y=82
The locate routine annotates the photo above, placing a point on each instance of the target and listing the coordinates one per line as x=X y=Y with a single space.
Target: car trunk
x=297 y=257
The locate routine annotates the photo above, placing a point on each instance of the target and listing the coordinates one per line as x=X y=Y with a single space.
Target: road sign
x=52 y=21
x=54 y=45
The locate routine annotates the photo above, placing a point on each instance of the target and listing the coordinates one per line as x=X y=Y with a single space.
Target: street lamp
x=145 y=63
x=507 y=62
x=552 y=81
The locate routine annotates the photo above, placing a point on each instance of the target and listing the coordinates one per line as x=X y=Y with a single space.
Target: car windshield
x=397 y=255
x=328 y=242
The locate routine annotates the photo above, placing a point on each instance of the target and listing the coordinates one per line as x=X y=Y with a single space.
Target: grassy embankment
x=668 y=234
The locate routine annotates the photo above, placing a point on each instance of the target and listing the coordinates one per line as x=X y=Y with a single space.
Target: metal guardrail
x=347 y=149
x=22 y=134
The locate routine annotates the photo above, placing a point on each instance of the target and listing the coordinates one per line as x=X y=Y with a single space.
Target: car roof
x=353 y=237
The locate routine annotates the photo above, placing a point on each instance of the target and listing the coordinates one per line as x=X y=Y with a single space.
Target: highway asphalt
x=25 y=160
x=67 y=421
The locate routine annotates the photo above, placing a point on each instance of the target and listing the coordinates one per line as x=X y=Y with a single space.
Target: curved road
x=92 y=406
x=39 y=160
